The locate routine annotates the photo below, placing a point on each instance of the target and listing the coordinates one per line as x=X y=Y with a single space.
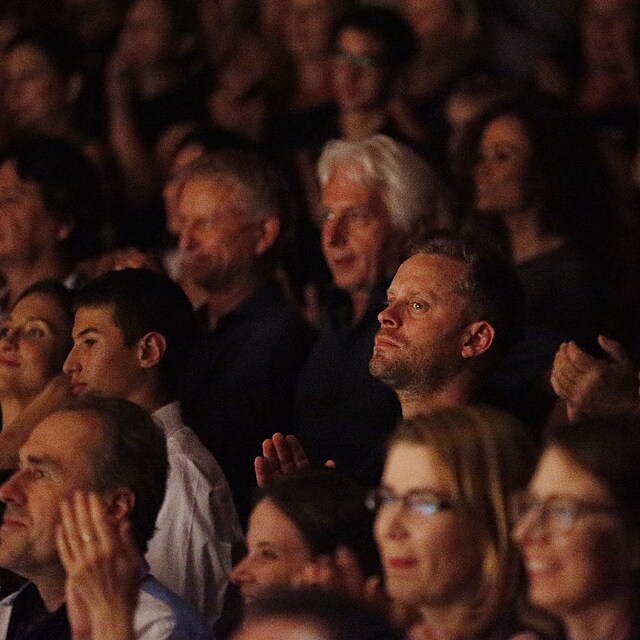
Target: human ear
x=151 y=349
x=268 y=232
x=63 y=231
x=479 y=337
x=119 y=504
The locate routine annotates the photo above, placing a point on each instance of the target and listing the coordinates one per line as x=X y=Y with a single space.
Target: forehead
x=506 y=129
x=347 y=186
x=65 y=437
x=99 y=318
x=558 y=472
x=411 y=466
x=429 y=273
x=269 y=524
x=208 y=194
x=39 y=306
x=360 y=42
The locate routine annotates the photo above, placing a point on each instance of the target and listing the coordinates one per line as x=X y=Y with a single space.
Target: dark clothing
x=240 y=384
x=344 y=413
x=30 y=619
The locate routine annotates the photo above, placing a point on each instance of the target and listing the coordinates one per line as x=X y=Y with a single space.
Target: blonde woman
x=442 y=523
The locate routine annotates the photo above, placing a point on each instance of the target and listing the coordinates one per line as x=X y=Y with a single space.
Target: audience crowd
x=319 y=319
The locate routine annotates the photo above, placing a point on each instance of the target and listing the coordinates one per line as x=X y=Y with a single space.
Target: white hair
x=415 y=196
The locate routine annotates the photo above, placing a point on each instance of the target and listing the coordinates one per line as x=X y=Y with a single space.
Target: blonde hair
x=489 y=454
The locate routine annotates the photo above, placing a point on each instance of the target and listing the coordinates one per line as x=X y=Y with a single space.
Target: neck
x=361 y=123
x=527 y=237
x=11 y=409
x=223 y=301
x=158 y=80
x=150 y=395
x=606 y=621
x=457 y=391
x=314 y=82
x=52 y=589
x=20 y=275
x=446 y=619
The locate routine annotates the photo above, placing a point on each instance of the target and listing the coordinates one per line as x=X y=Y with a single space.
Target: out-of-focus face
x=34 y=338
x=220 y=243
x=359 y=242
x=431 y=556
x=26 y=228
x=186 y=156
x=36 y=95
x=54 y=463
x=279 y=629
x=360 y=71
x=308 y=27
x=606 y=28
x=100 y=362
x=502 y=166
x=148 y=37
x=572 y=562
x=436 y=23
x=276 y=552
x=422 y=330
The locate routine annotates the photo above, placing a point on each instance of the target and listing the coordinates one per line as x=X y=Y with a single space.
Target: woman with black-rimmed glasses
x=442 y=525
x=578 y=527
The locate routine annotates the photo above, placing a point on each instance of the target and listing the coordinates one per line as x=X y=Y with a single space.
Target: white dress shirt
x=197 y=530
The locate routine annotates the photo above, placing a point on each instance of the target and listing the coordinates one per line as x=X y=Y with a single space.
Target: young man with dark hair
x=132 y=333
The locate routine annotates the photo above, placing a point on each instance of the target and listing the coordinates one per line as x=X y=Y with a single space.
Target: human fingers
x=614 y=350
x=298 y=454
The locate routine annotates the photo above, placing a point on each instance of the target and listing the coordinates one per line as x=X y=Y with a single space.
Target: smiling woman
x=34 y=340
x=578 y=526
x=442 y=526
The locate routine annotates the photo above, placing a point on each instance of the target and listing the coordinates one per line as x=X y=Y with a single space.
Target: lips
x=400 y=563
x=78 y=388
x=9 y=363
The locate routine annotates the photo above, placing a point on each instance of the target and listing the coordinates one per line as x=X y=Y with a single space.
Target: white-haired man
x=376 y=195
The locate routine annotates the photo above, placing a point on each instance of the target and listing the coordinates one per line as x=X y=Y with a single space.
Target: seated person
x=132 y=334
x=240 y=382
x=112 y=448
x=310 y=528
x=51 y=219
x=578 y=527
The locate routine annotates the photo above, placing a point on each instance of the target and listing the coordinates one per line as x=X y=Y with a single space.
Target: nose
x=241 y=572
x=390 y=522
x=389 y=316
x=527 y=527
x=12 y=489
x=9 y=338
x=334 y=231
x=71 y=364
x=187 y=238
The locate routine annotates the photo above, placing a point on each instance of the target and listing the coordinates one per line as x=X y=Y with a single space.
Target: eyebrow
x=85 y=331
x=42 y=461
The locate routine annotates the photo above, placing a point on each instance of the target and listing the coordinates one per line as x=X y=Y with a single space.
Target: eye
x=417 y=306
x=38 y=474
x=34 y=332
x=268 y=554
x=4 y=332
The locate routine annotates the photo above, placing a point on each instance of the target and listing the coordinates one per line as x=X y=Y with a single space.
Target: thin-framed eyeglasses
x=558 y=513
x=418 y=503
x=362 y=61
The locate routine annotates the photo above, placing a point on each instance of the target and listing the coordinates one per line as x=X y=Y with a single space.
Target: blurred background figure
x=578 y=526
x=316 y=615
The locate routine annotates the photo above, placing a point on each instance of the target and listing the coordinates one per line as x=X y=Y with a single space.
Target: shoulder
x=162 y=614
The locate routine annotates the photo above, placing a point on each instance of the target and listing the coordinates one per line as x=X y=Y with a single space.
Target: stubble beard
x=422 y=372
